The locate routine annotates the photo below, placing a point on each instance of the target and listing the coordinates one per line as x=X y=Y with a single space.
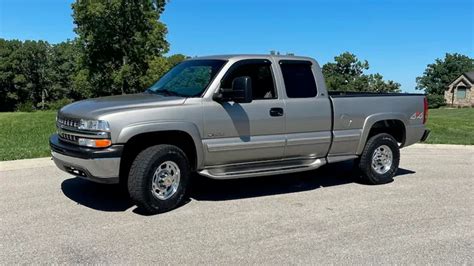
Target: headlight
x=98 y=125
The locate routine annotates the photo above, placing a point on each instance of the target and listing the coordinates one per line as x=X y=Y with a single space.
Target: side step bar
x=262 y=169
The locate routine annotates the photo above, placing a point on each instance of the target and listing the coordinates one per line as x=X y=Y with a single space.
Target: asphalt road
x=424 y=216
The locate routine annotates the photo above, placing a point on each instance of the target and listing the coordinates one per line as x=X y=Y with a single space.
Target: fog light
x=94 y=143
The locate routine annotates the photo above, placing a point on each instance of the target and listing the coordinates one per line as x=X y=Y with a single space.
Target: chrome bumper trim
x=101 y=170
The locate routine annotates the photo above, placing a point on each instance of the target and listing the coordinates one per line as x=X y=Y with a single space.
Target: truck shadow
x=103 y=197
x=114 y=198
x=337 y=174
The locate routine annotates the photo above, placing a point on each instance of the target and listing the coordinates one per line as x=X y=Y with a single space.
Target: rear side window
x=299 y=79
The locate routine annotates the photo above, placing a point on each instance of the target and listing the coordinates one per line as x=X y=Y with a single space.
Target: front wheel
x=380 y=159
x=159 y=178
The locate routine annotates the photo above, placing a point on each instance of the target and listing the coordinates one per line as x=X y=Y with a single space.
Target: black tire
x=141 y=178
x=367 y=173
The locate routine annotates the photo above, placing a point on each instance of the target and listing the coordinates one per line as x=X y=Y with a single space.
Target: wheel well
x=142 y=141
x=396 y=128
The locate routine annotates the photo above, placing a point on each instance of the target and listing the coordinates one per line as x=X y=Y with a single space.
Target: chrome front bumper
x=100 y=170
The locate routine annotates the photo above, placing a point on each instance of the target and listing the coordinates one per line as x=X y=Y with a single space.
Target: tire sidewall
x=377 y=141
x=177 y=157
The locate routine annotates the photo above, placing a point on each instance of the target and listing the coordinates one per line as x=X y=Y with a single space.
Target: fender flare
x=189 y=128
x=371 y=120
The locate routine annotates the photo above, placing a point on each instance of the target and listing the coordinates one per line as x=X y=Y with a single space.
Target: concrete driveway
x=424 y=216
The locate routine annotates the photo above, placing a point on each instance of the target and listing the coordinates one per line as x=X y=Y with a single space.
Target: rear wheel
x=379 y=161
x=159 y=178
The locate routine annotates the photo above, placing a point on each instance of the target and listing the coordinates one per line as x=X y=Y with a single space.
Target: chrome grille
x=68 y=123
x=68 y=137
x=68 y=131
x=63 y=124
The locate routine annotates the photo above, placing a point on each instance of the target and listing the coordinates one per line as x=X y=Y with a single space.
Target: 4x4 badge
x=417 y=115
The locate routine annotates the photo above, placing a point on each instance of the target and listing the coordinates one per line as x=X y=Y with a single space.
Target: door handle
x=276 y=111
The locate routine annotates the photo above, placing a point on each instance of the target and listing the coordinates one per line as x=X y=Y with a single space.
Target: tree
x=442 y=72
x=64 y=66
x=159 y=66
x=35 y=73
x=347 y=74
x=24 y=72
x=377 y=84
x=8 y=95
x=175 y=59
x=120 y=39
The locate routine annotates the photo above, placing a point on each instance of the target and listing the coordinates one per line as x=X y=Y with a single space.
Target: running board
x=262 y=169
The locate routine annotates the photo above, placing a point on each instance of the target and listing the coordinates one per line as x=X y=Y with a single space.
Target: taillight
x=425 y=110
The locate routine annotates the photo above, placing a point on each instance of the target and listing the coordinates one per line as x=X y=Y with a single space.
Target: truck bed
x=356 y=112
x=335 y=94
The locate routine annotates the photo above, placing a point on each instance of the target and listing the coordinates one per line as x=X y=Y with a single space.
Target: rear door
x=307 y=111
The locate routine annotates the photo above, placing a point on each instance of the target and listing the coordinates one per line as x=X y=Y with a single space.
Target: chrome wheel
x=382 y=159
x=165 y=180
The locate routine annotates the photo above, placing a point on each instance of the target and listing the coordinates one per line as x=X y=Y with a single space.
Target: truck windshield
x=188 y=79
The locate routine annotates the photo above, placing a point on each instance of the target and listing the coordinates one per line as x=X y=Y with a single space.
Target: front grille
x=68 y=123
x=64 y=126
x=68 y=131
x=68 y=137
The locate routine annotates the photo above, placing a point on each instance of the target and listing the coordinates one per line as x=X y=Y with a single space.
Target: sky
x=397 y=37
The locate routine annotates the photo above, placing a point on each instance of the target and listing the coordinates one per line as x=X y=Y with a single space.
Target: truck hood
x=94 y=108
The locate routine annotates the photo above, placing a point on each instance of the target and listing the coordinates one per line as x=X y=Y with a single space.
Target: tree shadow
x=114 y=198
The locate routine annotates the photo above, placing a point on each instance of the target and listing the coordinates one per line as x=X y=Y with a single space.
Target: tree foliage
x=24 y=72
x=119 y=49
x=33 y=71
x=121 y=40
x=347 y=74
x=442 y=72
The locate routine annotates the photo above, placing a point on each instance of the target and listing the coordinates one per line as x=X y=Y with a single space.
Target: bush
x=435 y=101
x=56 y=105
x=28 y=106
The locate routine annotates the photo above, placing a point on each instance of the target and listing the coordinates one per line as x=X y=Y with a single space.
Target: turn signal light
x=95 y=143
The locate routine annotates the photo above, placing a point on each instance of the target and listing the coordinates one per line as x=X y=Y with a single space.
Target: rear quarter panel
x=354 y=116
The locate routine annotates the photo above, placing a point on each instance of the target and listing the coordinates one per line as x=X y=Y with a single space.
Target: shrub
x=27 y=106
x=56 y=105
x=435 y=101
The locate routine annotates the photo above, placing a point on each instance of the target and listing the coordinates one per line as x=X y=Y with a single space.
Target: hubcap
x=165 y=180
x=382 y=159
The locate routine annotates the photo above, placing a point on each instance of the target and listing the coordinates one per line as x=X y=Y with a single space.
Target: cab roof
x=252 y=56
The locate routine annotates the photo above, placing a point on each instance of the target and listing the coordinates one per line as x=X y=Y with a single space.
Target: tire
x=377 y=151
x=152 y=178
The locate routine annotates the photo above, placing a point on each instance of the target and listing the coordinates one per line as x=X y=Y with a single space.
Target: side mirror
x=241 y=91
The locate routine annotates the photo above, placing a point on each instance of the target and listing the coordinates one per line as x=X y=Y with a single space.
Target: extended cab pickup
x=231 y=117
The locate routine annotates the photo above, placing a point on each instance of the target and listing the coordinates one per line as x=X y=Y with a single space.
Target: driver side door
x=246 y=132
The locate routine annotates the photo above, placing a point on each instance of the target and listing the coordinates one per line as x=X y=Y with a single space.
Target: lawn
x=25 y=135
x=451 y=126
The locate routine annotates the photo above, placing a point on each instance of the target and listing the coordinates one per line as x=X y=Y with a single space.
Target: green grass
x=451 y=126
x=25 y=135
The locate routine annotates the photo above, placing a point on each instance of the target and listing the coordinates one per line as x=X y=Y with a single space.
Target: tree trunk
x=124 y=63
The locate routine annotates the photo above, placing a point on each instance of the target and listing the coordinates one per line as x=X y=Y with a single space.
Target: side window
x=299 y=79
x=461 y=92
x=261 y=75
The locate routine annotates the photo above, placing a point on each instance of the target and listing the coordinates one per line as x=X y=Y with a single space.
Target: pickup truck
x=233 y=116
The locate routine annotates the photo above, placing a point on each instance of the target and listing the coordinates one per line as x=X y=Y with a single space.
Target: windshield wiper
x=167 y=92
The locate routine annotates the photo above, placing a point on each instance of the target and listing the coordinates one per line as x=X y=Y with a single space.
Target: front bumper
x=98 y=165
x=426 y=134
